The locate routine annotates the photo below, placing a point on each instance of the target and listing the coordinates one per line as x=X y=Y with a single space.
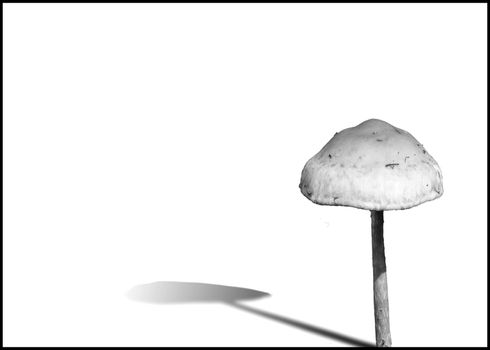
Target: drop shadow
x=173 y=292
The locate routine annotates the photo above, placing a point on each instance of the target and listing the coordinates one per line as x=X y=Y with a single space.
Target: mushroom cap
x=373 y=166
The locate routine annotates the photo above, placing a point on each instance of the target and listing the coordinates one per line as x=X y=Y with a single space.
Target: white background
x=165 y=142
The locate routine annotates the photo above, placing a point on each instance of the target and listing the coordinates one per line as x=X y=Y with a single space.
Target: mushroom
x=377 y=167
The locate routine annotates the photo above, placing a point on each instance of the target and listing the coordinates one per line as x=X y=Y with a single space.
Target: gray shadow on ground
x=170 y=292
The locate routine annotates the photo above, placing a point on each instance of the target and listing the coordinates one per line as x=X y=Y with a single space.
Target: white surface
x=165 y=142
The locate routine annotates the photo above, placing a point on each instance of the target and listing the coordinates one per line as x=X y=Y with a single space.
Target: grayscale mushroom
x=377 y=167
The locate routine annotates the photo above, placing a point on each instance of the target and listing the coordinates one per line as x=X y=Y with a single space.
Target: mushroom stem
x=380 y=283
